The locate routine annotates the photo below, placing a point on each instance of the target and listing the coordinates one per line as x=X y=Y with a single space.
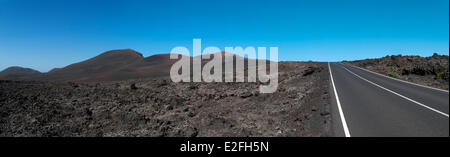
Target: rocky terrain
x=157 y=107
x=430 y=71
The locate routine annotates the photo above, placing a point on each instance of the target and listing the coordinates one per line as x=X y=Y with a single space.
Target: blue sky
x=45 y=34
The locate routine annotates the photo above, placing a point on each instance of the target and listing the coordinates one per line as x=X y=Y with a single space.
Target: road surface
x=369 y=104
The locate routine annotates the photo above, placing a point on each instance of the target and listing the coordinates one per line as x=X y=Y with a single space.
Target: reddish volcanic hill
x=16 y=70
x=223 y=54
x=97 y=67
x=113 y=65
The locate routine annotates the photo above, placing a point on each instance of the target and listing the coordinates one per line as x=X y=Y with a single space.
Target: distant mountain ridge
x=110 y=66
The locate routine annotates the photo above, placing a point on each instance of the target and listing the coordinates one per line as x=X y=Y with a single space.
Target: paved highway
x=369 y=104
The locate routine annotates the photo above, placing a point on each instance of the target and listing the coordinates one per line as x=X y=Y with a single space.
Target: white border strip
x=341 y=113
x=398 y=94
x=442 y=90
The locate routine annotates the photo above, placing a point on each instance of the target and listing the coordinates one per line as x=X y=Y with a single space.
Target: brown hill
x=113 y=65
x=16 y=70
x=117 y=65
x=18 y=73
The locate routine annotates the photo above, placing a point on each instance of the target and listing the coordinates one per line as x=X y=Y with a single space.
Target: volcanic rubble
x=430 y=71
x=158 y=107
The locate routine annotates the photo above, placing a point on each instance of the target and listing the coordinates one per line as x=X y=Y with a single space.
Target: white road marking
x=401 y=80
x=341 y=113
x=398 y=94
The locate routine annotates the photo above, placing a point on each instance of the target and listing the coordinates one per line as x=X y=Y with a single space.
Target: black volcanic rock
x=164 y=108
x=430 y=71
x=16 y=70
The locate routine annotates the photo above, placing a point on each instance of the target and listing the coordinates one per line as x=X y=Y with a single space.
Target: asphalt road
x=370 y=104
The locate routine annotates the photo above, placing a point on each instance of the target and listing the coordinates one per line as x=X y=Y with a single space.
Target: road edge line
x=341 y=113
x=404 y=97
x=442 y=90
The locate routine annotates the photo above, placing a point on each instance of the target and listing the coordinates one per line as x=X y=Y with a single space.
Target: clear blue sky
x=45 y=34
